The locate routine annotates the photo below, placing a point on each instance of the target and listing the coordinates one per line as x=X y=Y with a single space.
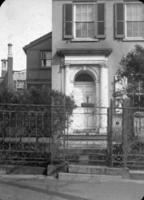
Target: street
x=43 y=188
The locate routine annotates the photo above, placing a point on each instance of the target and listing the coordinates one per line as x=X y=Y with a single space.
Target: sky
x=21 y=22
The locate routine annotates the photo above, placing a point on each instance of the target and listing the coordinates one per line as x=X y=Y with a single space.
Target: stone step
x=86 y=137
x=136 y=174
x=86 y=144
x=86 y=177
x=99 y=170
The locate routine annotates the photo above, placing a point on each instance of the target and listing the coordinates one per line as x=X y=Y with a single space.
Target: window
x=46 y=58
x=134 y=22
x=84 y=20
x=83 y=77
x=129 y=20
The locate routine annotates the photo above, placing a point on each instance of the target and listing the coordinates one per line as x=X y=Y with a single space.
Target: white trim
x=85 y=60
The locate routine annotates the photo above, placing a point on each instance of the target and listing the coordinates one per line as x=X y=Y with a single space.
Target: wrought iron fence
x=25 y=134
x=126 y=136
x=84 y=139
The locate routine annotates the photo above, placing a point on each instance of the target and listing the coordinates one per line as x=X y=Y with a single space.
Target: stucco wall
x=119 y=47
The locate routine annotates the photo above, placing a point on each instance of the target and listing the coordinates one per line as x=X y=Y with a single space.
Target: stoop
x=93 y=173
x=99 y=170
x=87 y=177
x=136 y=174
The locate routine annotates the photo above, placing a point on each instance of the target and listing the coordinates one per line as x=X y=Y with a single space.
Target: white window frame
x=74 y=21
x=125 y=24
x=41 y=58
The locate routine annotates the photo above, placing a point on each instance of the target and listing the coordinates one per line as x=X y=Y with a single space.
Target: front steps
x=93 y=173
x=99 y=170
x=86 y=141
x=90 y=173
x=85 y=149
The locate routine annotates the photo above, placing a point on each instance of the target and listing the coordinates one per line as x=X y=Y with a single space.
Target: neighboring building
x=39 y=59
x=12 y=80
x=6 y=80
x=88 y=41
x=19 y=78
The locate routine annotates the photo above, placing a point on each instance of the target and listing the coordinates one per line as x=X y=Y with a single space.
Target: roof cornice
x=103 y=51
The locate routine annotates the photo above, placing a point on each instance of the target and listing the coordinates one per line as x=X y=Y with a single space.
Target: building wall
x=19 y=79
x=119 y=47
x=35 y=74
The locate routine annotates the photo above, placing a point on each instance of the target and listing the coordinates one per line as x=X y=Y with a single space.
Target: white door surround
x=96 y=67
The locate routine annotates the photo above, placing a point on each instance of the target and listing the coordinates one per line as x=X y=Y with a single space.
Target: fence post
x=125 y=130
x=51 y=135
x=109 y=135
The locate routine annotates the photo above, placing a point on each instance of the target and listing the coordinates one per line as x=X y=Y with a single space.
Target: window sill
x=133 y=39
x=84 y=40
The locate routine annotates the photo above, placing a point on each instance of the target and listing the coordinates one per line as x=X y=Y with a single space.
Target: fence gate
x=126 y=136
x=24 y=134
x=85 y=144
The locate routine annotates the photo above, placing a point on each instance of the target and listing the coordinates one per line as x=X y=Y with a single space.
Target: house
x=6 y=79
x=88 y=41
x=39 y=57
x=19 y=78
x=10 y=79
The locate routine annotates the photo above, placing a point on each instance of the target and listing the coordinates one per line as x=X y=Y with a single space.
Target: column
x=103 y=99
x=67 y=80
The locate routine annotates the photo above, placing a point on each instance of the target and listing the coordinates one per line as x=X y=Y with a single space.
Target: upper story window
x=129 y=20
x=134 y=21
x=46 y=58
x=84 y=21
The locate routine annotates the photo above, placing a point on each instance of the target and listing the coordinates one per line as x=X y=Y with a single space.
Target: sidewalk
x=16 y=187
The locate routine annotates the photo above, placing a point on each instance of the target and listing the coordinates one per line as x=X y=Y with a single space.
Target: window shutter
x=119 y=20
x=100 y=20
x=68 y=21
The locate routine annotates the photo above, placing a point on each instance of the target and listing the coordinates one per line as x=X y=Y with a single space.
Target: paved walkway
x=43 y=188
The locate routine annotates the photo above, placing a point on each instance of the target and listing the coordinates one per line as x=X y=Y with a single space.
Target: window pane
x=48 y=55
x=48 y=63
x=135 y=29
x=83 y=29
x=84 y=13
x=91 y=30
x=85 y=20
x=90 y=13
x=135 y=12
x=84 y=78
x=78 y=29
x=78 y=12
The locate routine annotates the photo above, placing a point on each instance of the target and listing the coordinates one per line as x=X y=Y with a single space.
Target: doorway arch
x=85 y=99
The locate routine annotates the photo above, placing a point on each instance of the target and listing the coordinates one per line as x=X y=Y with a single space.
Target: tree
x=132 y=69
x=33 y=104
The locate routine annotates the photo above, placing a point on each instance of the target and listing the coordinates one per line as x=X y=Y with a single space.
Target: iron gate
x=25 y=134
x=126 y=136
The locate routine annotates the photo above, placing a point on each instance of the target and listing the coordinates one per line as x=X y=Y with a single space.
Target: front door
x=85 y=97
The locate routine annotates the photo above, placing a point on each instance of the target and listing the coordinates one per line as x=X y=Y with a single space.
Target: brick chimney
x=10 y=83
x=3 y=67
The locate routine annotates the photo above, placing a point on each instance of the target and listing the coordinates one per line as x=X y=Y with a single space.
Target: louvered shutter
x=119 y=20
x=100 y=20
x=68 y=21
